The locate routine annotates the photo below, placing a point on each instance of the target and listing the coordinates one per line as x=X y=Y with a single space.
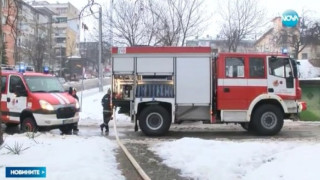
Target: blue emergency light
x=45 y=69
x=22 y=68
x=284 y=51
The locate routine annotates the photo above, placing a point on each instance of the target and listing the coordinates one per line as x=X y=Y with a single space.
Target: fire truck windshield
x=43 y=84
x=281 y=67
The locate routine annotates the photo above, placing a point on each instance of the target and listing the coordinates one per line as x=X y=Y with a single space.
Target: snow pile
x=65 y=157
x=211 y=159
x=307 y=70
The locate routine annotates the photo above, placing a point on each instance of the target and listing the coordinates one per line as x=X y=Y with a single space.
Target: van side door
x=15 y=103
x=4 y=108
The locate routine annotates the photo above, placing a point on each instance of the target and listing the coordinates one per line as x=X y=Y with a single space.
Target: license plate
x=69 y=121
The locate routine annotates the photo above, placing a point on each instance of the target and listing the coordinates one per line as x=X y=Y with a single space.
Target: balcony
x=62 y=35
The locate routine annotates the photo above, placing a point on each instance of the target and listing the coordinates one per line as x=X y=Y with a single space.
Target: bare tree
x=190 y=17
x=128 y=23
x=240 y=19
x=177 y=20
x=156 y=22
x=36 y=52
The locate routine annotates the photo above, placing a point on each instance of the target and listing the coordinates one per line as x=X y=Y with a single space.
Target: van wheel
x=28 y=125
x=154 y=121
x=66 y=129
x=268 y=119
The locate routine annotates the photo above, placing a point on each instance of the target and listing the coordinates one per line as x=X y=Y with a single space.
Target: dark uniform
x=107 y=111
x=73 y=92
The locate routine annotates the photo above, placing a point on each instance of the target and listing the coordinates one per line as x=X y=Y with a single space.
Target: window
x=60 y=40
x=15 y=82
x=3 y=84
x=61 y=20
x=4 y=37
x=234 y=67
x=60 y=31
x=256 y=66
x=3 y=20
x=4 y=3
x=280 y=67
x=62 y=10
x=304 y=55
x=43 y=84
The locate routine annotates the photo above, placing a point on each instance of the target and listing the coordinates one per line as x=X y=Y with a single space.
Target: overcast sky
x=273 y=8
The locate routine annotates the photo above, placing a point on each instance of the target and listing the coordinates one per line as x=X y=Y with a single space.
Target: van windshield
x=43 y=84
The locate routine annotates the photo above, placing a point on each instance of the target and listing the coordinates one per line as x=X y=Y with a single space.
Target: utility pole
x=60 y=71
x=111 y=25
x=100 y=51
x=90 y=4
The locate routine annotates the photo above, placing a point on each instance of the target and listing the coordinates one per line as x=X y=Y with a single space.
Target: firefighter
x=107 y=111
x=73 y=93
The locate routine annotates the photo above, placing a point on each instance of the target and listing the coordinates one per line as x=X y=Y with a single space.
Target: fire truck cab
x=158 y=86
x=36 y=100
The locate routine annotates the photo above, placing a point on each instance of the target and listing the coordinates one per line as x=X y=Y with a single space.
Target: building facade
x=279 y=38
x=33 y=43
x=65 y=30
x=9 y=12
x=219 y=45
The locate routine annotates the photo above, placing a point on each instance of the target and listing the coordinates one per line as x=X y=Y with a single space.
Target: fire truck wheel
x=268 y=119
x=28 y=125
x=247 y=126
x=154 y=121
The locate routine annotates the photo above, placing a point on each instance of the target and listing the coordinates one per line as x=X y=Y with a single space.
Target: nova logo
x=290 y=18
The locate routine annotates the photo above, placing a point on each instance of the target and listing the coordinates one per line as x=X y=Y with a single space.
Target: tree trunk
x=1 y=44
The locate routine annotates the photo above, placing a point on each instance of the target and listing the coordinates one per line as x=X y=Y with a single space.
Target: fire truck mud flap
x=268 y=119
x=154 y=120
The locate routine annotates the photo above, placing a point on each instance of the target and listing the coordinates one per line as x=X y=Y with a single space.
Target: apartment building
x=33 y=42
x=65 y=30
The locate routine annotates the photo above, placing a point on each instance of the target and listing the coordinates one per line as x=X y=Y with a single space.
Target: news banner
x=26 y=172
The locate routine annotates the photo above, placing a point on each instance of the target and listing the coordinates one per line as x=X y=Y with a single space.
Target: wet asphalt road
x=138 y=144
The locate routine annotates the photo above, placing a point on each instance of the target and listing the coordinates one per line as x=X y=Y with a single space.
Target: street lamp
x=90 y=4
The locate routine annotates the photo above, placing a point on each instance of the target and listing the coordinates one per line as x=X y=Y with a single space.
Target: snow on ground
x=65 y=157
x=211 y=159
x=91 y=111
x=69 y=156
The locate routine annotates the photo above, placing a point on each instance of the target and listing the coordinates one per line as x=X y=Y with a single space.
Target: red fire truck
x=36 y=100
x=158 y=86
